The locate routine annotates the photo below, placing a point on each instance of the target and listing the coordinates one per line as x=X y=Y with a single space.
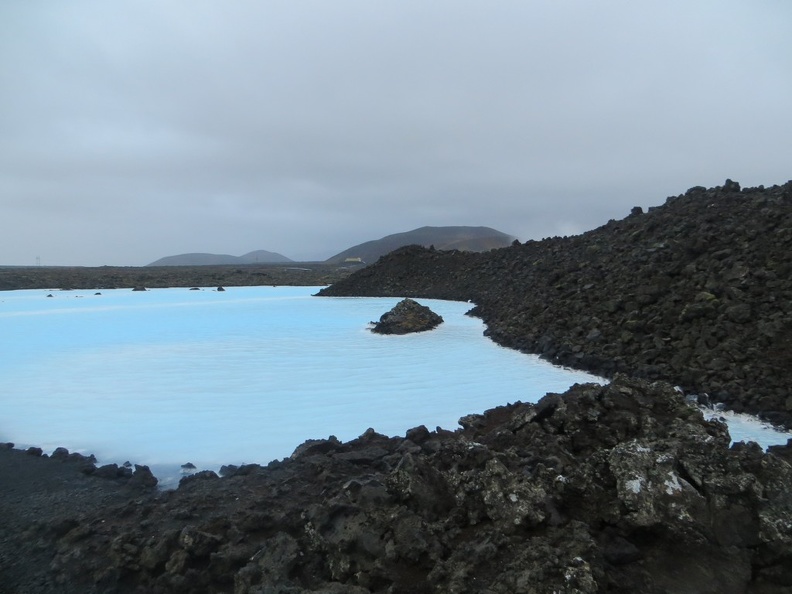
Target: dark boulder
x=109 y=471
x=60 y=454
x=143 y=477
x=406 y=317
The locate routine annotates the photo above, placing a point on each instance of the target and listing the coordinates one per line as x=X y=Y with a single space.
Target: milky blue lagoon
x=170 y=376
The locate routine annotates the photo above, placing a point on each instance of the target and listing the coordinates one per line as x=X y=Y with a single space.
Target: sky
x=130 y=131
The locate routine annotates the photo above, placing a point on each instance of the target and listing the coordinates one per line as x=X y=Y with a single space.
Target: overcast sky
x=140 y=129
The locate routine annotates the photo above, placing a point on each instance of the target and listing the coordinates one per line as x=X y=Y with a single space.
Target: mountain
x=469 y=239
x=201 y=259
x=263 y=256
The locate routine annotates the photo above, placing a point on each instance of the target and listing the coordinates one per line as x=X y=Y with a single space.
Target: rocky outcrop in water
x=407 y=317
x=695 y=292
x=621 y=488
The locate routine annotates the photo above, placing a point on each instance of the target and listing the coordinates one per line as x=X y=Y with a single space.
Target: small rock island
x=406 y=317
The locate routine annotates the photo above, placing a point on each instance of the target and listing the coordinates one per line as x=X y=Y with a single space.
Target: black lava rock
x=406 y=317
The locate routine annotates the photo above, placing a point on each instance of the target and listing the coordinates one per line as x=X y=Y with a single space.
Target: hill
x=695 y=292
x=470 y=239
x=201 y=259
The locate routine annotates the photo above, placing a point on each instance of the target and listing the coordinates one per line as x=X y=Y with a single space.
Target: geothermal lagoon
x=170 y=376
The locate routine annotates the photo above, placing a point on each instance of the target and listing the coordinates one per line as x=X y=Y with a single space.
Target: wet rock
x=407 y=317
x=60 y=454
x=109 y=471
x=143 y=477
x=317 y=446
x=782 y=451
x=418 y=434
x=228 y=470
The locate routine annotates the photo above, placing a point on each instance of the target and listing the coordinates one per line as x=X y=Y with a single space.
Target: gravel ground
x=42 y=497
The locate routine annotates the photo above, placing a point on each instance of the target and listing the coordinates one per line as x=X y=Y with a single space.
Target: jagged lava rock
x=406 y=317
x=694 y=292
x=617 y=488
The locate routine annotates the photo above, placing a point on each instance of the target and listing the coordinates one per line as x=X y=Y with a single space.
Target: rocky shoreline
x=158 y=277
x=618 y=488
x=695 y=292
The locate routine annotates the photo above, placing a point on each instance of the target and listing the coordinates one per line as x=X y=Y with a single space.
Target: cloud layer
x=131 y=131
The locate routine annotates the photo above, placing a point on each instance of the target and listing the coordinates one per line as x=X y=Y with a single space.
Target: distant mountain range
x=469 y=239
x=198 y=259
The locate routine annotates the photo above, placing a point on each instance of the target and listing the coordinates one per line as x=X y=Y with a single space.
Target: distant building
x=352 y=260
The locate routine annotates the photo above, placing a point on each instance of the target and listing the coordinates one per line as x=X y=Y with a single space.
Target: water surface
x=170 y=376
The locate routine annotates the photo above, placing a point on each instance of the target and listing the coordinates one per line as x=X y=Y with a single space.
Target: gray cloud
x=130 y=131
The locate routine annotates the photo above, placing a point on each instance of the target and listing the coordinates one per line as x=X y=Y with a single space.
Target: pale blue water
x=744 y=427
x=170 y=376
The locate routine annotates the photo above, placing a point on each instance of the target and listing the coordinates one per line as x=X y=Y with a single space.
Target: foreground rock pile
x=696 y=292
x=622 y=488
